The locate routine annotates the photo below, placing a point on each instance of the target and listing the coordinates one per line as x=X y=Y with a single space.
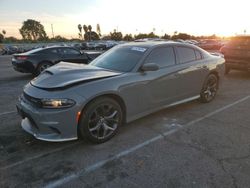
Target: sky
x=196 y=17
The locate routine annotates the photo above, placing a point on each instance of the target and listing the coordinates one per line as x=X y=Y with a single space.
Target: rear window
x=37 y=50
x=198 y=55
x=69 y=51
x=45 y=51
x=186 y=54
x=240 y=42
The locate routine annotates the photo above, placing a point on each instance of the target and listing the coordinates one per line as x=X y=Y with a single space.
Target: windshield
x=122 y=59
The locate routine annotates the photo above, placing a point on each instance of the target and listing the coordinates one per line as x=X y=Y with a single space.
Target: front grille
x=34 y=101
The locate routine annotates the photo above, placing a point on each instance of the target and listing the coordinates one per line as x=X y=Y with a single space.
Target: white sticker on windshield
x=139 y=49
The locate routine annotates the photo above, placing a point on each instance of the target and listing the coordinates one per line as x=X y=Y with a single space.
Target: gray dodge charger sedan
x=68 y=101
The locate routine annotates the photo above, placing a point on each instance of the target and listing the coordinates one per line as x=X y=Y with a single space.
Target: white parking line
x=5 y=113
x=100 y=164
x=38 y=156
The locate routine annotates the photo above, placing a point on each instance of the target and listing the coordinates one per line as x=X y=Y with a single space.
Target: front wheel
x=100 y=120
x=209 y=89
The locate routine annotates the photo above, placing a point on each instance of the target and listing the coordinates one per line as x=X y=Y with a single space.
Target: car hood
x=68 y=74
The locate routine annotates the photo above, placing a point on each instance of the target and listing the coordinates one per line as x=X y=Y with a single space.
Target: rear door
x=49 y=54
x=191 y=72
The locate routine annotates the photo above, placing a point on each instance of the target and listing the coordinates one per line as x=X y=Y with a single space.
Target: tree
x=33 y=30
x=152 y=35
x=10 y=39
x=116 y=35
x=89 y=31
x=4 y=32
x=59 y=38
x=91 y=36
x=80 y=30
x=128 y=37
x=1 y=37
x=166 y=36
x=98 y=29
x=144 y=35
x=89 y=28
x=183 y=36
x=141 y=36
x=106 y=37
x=85 y=28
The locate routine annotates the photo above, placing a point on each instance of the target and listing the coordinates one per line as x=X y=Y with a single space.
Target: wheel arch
x=44 y=61
x=216 y=73
x=113 y=96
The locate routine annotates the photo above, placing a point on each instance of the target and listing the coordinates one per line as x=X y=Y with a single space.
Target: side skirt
x=162 y=107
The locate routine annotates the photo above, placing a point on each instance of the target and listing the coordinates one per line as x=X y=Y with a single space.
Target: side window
x=162 y=56
x=186 y=54
x=54 y=51
x=198 y=55
x=48 y=51
x=69 y=51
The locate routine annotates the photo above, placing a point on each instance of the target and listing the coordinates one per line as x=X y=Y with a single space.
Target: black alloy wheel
x=43 y=66
x=100 y=120
x=209 y=89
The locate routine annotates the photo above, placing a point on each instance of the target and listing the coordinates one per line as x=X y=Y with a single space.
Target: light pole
x=52 y=29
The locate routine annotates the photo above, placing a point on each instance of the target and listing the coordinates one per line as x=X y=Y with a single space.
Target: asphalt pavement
x=190 y=145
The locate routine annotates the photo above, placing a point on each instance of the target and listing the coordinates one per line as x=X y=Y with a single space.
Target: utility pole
x=52 y=30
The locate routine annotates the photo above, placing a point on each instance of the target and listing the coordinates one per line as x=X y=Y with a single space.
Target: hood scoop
x=69 y=74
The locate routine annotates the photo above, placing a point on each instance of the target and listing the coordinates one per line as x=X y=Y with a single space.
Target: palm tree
x=85 y=28
x=90 y=29
x=80 y=30
x=98 y=29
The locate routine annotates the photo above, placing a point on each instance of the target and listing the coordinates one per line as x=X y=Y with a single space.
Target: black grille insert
x=35 y=101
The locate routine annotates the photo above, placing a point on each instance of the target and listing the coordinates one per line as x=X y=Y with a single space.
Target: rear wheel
x=100 y=120
x=209 y=89
x=42 y=66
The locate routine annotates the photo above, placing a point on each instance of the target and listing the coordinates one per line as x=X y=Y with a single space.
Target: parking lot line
x=5 y=113
x=100 y=164
x=38 y=156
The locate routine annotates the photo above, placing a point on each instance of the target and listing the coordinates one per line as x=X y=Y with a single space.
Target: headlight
x=57 y=103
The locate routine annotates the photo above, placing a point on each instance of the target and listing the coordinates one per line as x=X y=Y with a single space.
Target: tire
x=209 y=89
x=101 y=120
x=41 y=67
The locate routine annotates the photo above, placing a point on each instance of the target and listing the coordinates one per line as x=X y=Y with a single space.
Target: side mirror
x=150 y=67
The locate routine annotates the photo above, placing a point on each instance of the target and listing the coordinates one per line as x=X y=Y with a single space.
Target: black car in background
x=210 y=44
x=37 y=60
x=237 y=54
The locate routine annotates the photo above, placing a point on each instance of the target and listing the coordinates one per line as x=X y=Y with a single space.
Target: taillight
x=21 y=57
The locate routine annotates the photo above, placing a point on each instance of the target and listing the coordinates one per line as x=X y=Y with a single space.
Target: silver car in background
x=68 y=101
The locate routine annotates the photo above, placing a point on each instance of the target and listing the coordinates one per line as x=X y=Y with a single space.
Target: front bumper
x=55 y=125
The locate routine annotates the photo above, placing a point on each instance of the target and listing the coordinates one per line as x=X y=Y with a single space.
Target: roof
x=149 y=44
